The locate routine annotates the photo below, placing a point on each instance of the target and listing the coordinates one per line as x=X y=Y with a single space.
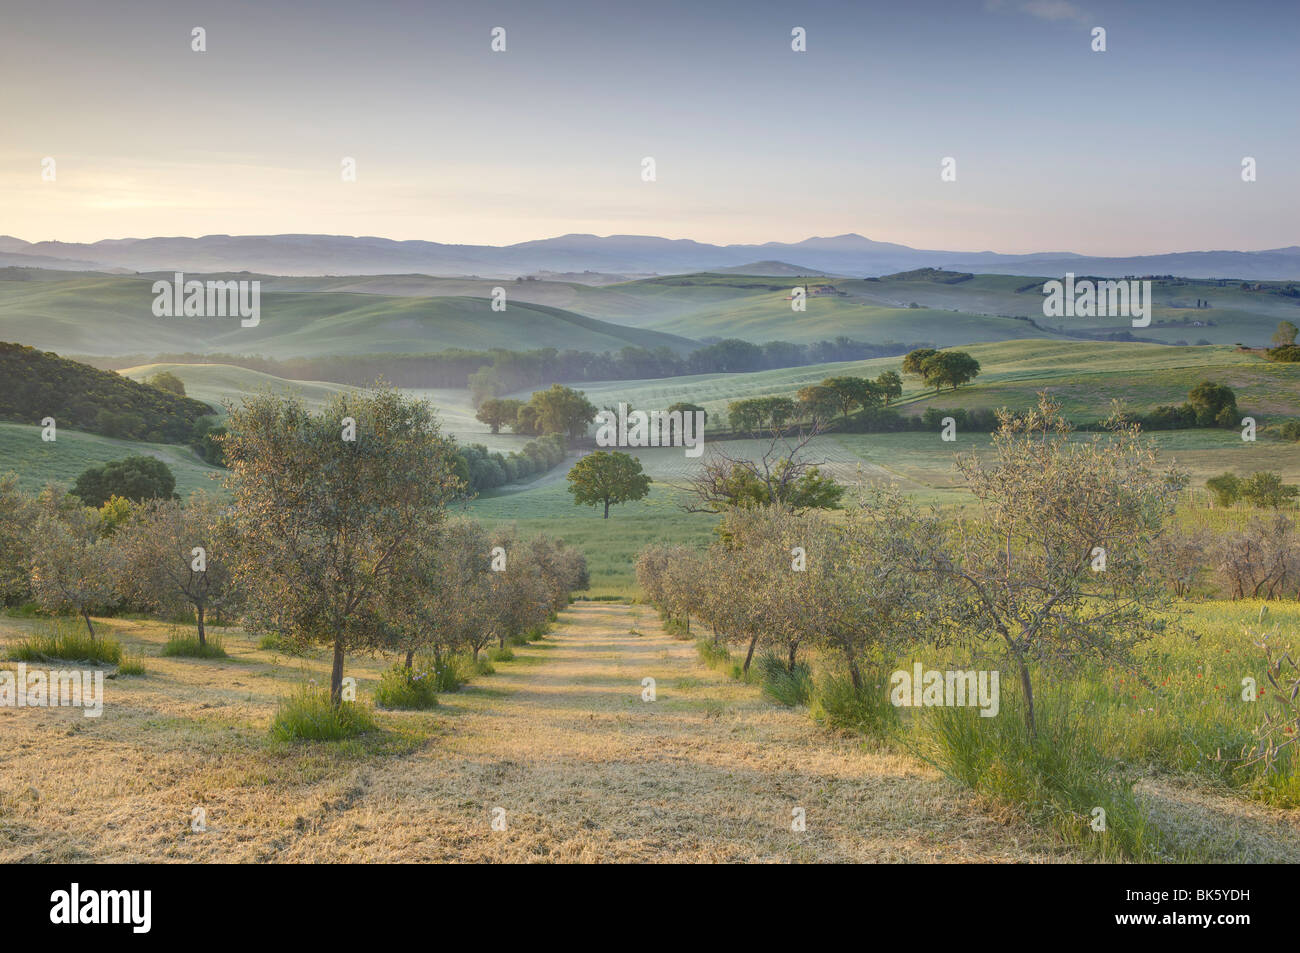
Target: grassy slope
x=37 y=463
x=979 y=309
x=217 y=383
x=112 y=315
x=1084 y=375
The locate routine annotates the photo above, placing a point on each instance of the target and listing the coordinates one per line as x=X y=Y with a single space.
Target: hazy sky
x=1136 y=150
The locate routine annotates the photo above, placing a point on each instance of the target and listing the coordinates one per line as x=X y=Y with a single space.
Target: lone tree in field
x=326 y=522
x=607 y=477
x=1057 y=560
x=890 y=386
x=952 y=368
x=172 y=557
x=166 y=380
x=1285 y=334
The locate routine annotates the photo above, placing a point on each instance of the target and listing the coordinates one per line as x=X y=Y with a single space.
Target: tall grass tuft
x=782 y=684
x=63 y=640
x=1059 y=778
x=184 y=645
x=131 y=665
x=837 y=705
x=402 y=687
x=307 y=715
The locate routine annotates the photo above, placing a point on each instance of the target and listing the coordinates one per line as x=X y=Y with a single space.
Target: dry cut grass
x=559 y=739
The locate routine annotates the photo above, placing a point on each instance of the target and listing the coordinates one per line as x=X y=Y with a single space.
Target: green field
x=36 y=462
x=611 y=545
x=1084 y=375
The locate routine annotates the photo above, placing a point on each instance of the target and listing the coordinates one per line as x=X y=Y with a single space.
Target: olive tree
x=1055 y=559
x=327 y=508
x=443 y=599
x=174 y=556
x=73 y=567
x=17 y=515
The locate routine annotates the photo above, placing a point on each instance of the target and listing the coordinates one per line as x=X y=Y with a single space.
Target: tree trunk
x=198 y=615
x=410 y=656
x=854 y=675
x=1029 y=698
x=336 y=673
x=607 y=509
x=750 y=654
x=794 y=647
x=89 y=628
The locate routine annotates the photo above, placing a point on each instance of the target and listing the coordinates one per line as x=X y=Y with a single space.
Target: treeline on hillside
x=38 y=384
x=515 y=370
x=484 y=469
x=308 y=506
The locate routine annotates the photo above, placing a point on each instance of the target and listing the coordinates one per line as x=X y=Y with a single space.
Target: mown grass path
x=585 y=770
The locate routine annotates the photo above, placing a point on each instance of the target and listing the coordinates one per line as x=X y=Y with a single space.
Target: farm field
x=559 y=738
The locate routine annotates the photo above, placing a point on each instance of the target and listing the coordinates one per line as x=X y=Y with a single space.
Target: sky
x=1135 y=150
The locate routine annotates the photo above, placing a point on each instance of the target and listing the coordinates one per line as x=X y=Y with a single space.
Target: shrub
x=481 y=667
x=134 y=478
x=131 y=665
x=66 y=641
x=448 y=676
x=782 y=684
x=1058 y=778
x=505 y=654
x=402 y=687
x=867 y=711
x=307 y=715
x=182 y=645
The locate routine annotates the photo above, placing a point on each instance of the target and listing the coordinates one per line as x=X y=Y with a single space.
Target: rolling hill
x=112 y=315
x=218 y=383
x=1084 y=375
x=36 y=463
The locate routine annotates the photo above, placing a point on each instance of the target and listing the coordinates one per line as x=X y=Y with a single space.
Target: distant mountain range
x=850 y=255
